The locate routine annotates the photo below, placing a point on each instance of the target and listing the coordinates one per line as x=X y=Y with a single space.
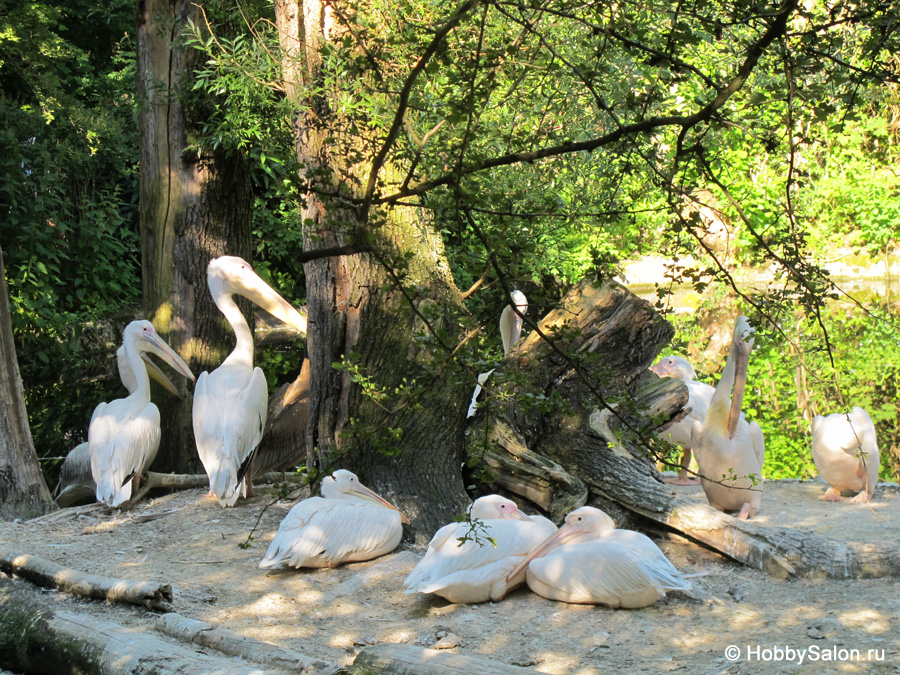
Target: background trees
x=540 y=143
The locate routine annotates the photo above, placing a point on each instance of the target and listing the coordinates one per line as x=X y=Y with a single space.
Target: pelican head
x=493 y=507
x=518 y=299
x=674 y=366
x=582 y=525
x=343 y=484
x=229 y=274
x=143 y=338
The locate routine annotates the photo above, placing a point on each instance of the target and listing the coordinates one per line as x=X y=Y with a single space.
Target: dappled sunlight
x=867 y=620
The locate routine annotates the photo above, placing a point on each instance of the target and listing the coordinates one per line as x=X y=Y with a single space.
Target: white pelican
x=589 y=561
x=348 y=523
x=845 y=451
x=699 y=396
x=123 y=437
x=231 y=403
x=727 y=447
x=510 y=322
x=76 y=482
x=476 y=571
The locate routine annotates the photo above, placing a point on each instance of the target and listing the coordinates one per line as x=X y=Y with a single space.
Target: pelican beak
x=155 y=373
x=742 y=349
x=515 y=515
x=558 y=538
x=252 y=287
x=159 y=347
x=365 y=493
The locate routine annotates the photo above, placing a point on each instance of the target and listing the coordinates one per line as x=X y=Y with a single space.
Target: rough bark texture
x=235 y=644
x=356 y=312
x=50 y=575
x=194 y=207
x=35 y=639
x=23 y=491
x=614 y=336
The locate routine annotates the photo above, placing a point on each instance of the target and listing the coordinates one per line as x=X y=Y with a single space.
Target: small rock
x=736 y=593
x=359 y=642
x=815 y=633
x=449 y=641
x=524 y=663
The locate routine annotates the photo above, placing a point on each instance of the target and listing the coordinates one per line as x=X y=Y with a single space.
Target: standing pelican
x=699 y=396
x=589 y=561
x=231 y=403
x=76 y=482
x=123 y=437
x=476 y=570
x=845 y=451
x=728 y=448
x=348 y=523
x=511 y=322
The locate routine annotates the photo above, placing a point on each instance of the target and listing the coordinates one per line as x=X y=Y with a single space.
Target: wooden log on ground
x=35 y=639
x=50 y=575
x=394 y=659
x=235 y=644
x=606 y=340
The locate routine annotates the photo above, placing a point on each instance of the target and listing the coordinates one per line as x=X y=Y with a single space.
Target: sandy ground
x=332 y=614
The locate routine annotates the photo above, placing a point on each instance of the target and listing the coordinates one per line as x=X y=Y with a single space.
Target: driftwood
x=235 y=644
x=409 y=660
x=36 y=639
x=50 y=575
x=615 y=336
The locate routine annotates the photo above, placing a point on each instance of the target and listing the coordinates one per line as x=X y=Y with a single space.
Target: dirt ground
x=332 y=614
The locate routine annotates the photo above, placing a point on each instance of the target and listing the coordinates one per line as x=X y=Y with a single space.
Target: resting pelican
x=123 y=437
x=76 y=482
x=845 y=451
x=476 y=571
x=510 y=322
x=699 y=396
x=727 y=445
x=348 y=523
x=231 y=403
x=589 y=561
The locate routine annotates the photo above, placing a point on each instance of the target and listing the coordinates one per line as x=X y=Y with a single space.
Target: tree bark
x=23 y=491
x=391 y=659
x=195 y=205
x=611 y=337
x=35 y=639
x=358 y=313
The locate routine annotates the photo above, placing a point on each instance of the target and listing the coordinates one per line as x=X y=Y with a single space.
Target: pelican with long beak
x=231 y=403
x=589 y=561
x=123 y=437
x=348 y=523
x=729 y=450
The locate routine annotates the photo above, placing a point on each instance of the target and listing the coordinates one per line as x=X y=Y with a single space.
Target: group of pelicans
x=496 y=547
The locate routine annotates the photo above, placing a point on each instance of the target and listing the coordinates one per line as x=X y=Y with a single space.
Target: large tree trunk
x=194 y=207
x=358 y=313
x=611 y=337
x=23 y=491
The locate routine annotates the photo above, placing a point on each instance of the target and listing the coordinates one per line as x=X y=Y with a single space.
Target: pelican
x=510 y=322
x=123 y=437
x=699 y=396
x=728 y=448
x=76 y=482
x=348 y=523
x=845 y=451
x=231 y=403
x=589 y=561
x=476 y=571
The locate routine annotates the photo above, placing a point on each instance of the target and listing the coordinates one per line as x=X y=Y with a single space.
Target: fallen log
x=394 y=659
x=235 y=644
x=601 y=432
x=36 y=639
x=50 y=575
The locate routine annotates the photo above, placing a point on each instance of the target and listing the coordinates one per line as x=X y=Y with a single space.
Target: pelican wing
x=229 y=415
x=121 y=442
x=327 y=532
x=598 y=572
